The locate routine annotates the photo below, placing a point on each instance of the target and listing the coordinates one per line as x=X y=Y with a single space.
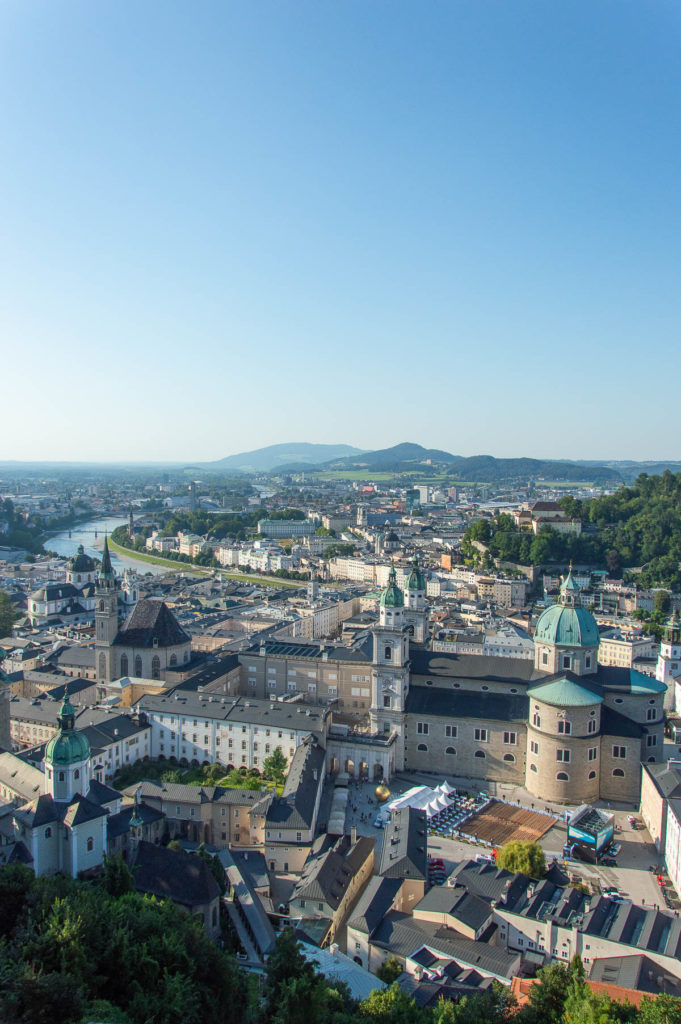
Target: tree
x=284 y=964
x=117 y=876
x=613 y=562
x=274 y=767
x=390 y=1006
x=661 y=603
x=527 y=858
x=8 y=614
x=389 y=970
x=663 y=1009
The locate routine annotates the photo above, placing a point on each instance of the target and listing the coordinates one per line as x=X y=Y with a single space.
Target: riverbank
x=200 y=570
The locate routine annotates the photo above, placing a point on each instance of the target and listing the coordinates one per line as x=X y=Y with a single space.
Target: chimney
x=353 y=834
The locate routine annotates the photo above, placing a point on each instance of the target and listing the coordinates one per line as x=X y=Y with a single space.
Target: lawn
x=205 y=775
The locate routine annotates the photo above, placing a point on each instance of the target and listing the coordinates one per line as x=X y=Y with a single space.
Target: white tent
x=432 y=801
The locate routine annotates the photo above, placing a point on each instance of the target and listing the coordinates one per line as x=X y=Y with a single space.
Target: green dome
x=567 y=626
x=415 y=580
x=82 y=562
x=68 y=747
x=392 y=596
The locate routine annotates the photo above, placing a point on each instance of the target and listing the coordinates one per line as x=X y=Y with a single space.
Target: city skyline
x=356 y=222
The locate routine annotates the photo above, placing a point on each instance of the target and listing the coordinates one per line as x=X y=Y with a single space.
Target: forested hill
x=636 y=527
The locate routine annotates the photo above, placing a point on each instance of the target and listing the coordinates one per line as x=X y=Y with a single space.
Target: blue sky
x=230 y=224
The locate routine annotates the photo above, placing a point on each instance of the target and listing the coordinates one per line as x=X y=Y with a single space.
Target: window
x=173 y=660
x=618 y=773
x=422 y=728
x=592 y=775
x=387 y=701
x=48 y=833
x=479 y=753
x=544 y=657
x=593 y=725
x=510 y=738
x=299 y=837
x=76 y=774
x=564 y=727
x=422 y=746
x=388 y=652
x=534 y=747
x=450 y=750
x=138 y=665
x=124 y=664
x=651 y=715
x=593 y=753
x=481 y=736
x=651 y=741
x=90 y=844
x=536 y=720
x=156 y=667
x=533 y=767
x=620 y=752
x=587 y=661
x=509 y=757
x=563 y=755
x=567 y=661
x=562 y=777
x=61 y=776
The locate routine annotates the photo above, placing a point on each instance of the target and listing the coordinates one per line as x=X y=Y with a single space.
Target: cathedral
x=149 y=642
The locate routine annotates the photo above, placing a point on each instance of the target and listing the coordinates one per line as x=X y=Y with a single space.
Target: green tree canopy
x=525 y=857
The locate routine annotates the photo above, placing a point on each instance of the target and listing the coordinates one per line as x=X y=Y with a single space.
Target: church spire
x=106 y=570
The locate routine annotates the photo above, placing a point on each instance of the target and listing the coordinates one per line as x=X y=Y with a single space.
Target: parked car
x=609 y=862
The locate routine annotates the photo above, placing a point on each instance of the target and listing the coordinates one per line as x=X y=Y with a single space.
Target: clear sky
x=231 y=223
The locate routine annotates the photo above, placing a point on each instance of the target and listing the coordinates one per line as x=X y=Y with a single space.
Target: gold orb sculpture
x=382 y=793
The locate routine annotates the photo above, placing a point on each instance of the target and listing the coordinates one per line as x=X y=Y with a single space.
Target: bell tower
x=415 y=609
x=390 y=673
x=106 y=618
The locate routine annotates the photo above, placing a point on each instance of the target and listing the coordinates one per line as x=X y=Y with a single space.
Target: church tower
x=668 y=668
x=67 y=757
x=390 y=673
x=415 y=610
x=106 y=618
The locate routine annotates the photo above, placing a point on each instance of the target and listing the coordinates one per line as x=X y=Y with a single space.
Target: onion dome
x=392 y=596
x=81 y=562
x=69 y=746
x=415 y=580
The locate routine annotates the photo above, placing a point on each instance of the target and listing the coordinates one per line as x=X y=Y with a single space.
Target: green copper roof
x=106 y=567
x=392 y=596
x=564 y=693
x=567 y=626
x=415 y=580
x=69 y=746
x=568 y=583
x=641 y=683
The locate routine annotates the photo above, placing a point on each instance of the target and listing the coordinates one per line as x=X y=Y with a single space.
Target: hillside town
x=355 y=708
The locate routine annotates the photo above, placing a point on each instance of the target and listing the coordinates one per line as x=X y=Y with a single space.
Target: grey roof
x=326 y=878
x=405 y=845
x=484 y=880
x=179 y=792
x=119 y=824
x=21 y=777
x=374 y=903
x=55 y=592
x=457 y=903
x=182 y=877
x=446 y=703
x=637 y=972
x=296 y=805
x=643 y=928
x=248 y=710
x=403 y=935
x=151 y=623
x=666 y=778
x=82 y=657
x=473 y=666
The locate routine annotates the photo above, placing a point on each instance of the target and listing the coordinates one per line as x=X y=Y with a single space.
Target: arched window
x=562 y=777
x=509 y=757
x=102 y=665
x=48 y=833
x=186 y=655
x=592 y=775
x=479 y=753
x=76 y=774
x=388 y=652
x=90 y=844
x=173 y=659
x=422 y=746
x=101 y=606
x=124 y=664
x=618 y=773
x=450 y=750
x=156 y=667
x=138 y=665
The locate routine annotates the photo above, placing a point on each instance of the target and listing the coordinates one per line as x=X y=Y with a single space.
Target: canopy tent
x=424 y=798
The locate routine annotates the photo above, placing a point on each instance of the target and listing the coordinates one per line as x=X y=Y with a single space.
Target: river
x=67 y=543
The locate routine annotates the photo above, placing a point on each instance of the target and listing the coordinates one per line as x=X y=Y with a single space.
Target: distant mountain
x=406 y=457
x=276 y=456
